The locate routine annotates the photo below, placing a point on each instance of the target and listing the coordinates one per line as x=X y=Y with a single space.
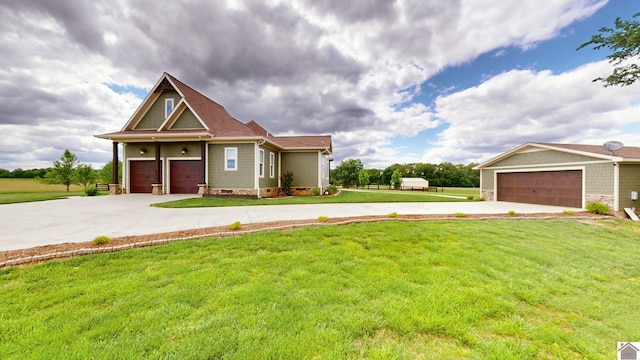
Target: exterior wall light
x=143 y=151
x=184 y=150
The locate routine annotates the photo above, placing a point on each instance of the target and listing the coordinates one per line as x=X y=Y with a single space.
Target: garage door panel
x=185 y=175
x=141 y=175
x=560 y=188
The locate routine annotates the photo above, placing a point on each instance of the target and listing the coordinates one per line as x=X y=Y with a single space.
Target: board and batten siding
x=242 y=178
x=304 y=166
x=155 y=115
x=629 y=181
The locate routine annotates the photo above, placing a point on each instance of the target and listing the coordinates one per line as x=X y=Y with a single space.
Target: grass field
x=502 y=289
x=345 y=196
x=26 y=190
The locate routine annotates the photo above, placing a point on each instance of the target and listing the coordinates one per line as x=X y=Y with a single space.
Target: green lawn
x=345 y=196
x=500 y=289
x=26 y=190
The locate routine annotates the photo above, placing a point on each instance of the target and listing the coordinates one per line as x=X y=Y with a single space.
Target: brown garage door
x=141 y=175
x=560 y=188
x=185 y=175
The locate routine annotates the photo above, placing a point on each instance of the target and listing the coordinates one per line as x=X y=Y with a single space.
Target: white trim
x=166 y=105
x=167 y=173
x=261 y=162
x=226 y=159
x=319 y=169
x=127 y=176
x=272 y=165
x=547 y=169
x=279 y=169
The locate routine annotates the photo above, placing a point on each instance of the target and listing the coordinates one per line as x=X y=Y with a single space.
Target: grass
x=28 y=190
x=345 y=196
x=502 y=289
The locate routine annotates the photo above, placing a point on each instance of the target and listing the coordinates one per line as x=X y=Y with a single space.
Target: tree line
x=67 y=170
x=351 y=172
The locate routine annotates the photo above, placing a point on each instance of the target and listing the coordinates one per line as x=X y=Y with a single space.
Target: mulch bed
x=66 y=250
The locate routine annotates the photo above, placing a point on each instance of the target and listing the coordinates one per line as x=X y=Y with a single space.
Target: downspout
x=616 y=187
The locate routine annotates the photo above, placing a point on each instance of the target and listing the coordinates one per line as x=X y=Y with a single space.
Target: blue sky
x=558 y=54
x=391 y=81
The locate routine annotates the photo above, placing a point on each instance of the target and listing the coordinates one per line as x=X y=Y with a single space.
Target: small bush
x=323 y=219
x=393 y=215
x=286 y=181
x=511 y=213
x=235 y=226
x=317 y=192
x=460 y=215
x=91 y=191
x=470 y=197
x=102 y=240
x=569 y=212
x=597 y=208
x=332 y=189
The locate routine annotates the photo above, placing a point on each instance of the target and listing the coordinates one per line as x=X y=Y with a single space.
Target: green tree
x=286 y=181
x=105 y=175
x=85 y=175
x=624 y=42
x=396 y=179
x=63 y=171
x=363 y=177
x=346 y=174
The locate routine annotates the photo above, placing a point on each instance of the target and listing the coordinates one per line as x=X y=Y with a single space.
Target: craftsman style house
x=179 y=141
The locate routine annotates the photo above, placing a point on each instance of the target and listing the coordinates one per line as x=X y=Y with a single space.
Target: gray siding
x=243 y=178
x=629 y=181
x=541 y=158
x=155 y=116
x=599 y=179
x=304 y=166
x=187 y=121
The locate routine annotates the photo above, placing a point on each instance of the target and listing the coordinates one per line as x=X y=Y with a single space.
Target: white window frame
x=261 y=163
x=168 y=101
x=272 y=165
x=227 y=158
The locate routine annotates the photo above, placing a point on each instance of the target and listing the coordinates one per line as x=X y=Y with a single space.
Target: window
x=272 y=165
x=261 y=163
x=168 y=107
x=231 y=158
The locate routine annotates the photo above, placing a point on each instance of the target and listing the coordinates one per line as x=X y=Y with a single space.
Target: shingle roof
x=625 y=152
x=220 y=124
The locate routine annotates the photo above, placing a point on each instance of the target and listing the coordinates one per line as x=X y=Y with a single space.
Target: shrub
x=286 y=181
x=91 y=191
x=393 y=215
x=511 y=213
x=235 y=226
x=332 y=189
x=460 y=215
x=597 y=208
x=102 y=240
x=317 y=192
x=470 y=197
x=568 y=212
x=323 y=219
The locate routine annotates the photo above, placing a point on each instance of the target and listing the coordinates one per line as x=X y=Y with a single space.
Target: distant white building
x=414 y=184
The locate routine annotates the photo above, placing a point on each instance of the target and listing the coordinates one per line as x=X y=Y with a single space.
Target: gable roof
x=626 y=154
x=216 y=121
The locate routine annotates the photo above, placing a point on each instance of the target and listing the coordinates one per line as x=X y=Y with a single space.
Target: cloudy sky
x=392 y=81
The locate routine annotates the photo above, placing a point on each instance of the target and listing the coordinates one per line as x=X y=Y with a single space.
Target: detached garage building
x=563 y=175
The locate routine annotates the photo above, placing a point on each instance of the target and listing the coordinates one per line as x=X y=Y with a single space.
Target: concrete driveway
x=80 y=219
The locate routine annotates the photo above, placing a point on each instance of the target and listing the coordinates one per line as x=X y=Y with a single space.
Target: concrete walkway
x=80 y=219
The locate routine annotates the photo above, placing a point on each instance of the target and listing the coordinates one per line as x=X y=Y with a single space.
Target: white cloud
x=345 y=68
x=523 y=105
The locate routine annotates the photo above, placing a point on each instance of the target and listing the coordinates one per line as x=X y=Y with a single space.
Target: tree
x=624 y=42
x=63 y=171
x=346 y=174
x=105 y=175
x=363 y=177
x=396 y=179
x=85 y=175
